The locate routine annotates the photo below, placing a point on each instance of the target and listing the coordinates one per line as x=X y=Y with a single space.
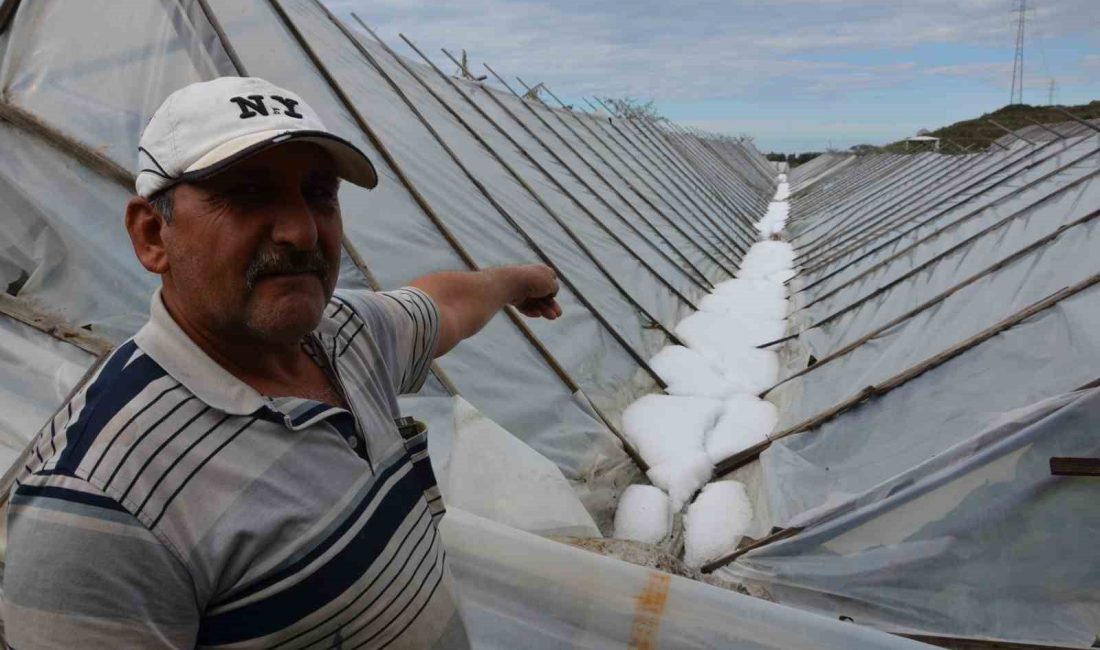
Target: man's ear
x=146 y=227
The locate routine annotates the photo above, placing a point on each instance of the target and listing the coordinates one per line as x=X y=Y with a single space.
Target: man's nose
x=294 y=224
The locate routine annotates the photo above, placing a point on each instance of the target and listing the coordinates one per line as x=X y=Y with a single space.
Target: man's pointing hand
x=536 y=289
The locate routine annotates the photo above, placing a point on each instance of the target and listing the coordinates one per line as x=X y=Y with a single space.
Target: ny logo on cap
x=254 y=105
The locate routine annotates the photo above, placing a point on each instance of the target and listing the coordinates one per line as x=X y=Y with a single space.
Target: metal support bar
x=581 y=245
x=967 y=216
x=1057 y=135
x=999 y=145
x=702 y=214
x=783 y=533
x=455 y=245
x=715 y=238
x=715 y=198
x=216 y=25
x=940 y=297
x=622 y=178
x=1076 y=119
x=705 y=161
x=702 y=276
x=995 y=170
x=427 y=209
x=868 y=191
x=882 y=218
x=553 y=179
x=960 y=643
x=872 y=208
x=515 y=225
x=659 y=139
x=1008 y=131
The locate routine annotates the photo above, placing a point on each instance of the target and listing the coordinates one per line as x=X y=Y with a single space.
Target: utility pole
x=1016 y=95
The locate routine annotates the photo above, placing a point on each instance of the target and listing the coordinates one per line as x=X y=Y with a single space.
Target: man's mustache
x=276 y=261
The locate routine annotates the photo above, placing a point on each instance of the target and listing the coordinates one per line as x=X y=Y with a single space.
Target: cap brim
x=352 y=164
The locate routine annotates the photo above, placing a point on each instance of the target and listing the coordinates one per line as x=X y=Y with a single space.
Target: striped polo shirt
x=170 y=505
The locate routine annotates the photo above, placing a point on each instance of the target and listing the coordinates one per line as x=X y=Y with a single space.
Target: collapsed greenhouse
x=859 y=400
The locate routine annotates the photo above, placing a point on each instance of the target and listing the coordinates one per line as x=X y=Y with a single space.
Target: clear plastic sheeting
x=941 y=302
x=936 y=410
x=487 y=471
x=97 y=73
x=37 y=371
x=63 y=228
x=1046 y=269
x=980 y=542
x=519 y=590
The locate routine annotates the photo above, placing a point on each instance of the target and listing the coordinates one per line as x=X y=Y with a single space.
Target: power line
x=1016 y=95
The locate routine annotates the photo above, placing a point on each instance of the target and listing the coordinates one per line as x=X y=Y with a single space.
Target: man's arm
x=468 y=300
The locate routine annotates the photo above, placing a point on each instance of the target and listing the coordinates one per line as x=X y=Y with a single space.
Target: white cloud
x=707 y=51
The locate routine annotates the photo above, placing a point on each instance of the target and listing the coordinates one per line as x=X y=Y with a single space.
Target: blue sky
x=797 y=75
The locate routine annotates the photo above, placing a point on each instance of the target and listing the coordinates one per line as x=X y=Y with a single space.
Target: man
x=233 y=474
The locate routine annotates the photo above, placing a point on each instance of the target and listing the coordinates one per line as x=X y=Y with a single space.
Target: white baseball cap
x=205 y=127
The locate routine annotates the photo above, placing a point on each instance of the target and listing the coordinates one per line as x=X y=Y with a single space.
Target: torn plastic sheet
x=979 y=542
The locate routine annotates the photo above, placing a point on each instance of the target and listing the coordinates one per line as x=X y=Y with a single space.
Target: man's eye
x=321 y=193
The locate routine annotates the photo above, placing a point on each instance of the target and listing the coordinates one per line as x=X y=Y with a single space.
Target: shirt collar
x=162 y=339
